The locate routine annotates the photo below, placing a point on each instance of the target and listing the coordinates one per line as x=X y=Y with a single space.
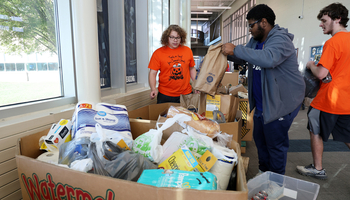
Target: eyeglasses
x=252 y=25
x=174 y=38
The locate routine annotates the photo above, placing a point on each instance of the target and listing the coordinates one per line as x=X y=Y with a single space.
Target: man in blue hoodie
x=275 y=85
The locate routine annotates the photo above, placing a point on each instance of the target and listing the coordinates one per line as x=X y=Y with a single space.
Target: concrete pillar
x=84 y=15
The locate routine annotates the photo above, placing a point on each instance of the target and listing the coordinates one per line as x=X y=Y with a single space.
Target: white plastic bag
x=198 y=143
x=84 y=165
x=224 y=139
x=148 y=144
x=227 y=159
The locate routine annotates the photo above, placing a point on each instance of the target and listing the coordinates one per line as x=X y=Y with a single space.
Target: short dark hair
x=262 y=11
x=335 y=11
x=165 y=36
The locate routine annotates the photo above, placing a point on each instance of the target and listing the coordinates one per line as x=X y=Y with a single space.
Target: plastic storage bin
x=282 y=187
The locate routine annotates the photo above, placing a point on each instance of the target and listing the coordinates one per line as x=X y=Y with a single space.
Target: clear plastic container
x=282 y=187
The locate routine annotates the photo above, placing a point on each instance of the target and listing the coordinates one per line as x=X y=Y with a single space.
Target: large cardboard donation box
x=152 y=112
x=41 y=180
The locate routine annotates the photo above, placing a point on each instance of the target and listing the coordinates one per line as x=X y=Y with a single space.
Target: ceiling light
x=205 y=13
x=214 y=7
x=200 y=19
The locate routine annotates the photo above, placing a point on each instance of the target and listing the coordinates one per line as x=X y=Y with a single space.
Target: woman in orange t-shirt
x=176 y=65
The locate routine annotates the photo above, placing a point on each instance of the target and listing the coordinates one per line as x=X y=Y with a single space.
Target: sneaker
x=310 y=170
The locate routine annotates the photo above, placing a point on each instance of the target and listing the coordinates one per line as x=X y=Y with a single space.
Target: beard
x=259 y=34
x=328 y=30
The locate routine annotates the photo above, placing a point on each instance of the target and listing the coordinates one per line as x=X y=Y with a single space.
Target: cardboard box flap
x=150 y=112
x=29 y=145
x=238 y=88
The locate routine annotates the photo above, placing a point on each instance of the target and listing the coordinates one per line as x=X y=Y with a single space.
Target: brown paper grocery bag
x=227 y=104
x=211 y=71
x=194 y=102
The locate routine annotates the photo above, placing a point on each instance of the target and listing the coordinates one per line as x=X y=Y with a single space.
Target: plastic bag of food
x=224 y=139
x=148 y=144
x=121 y=163
x=312 y=83
x=73 y=150
x=101 y=136
x=199 y=123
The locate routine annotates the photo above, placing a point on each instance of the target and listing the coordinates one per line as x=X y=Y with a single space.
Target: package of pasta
x=199 y=123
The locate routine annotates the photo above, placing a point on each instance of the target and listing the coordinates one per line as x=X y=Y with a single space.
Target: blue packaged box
x=179 y=179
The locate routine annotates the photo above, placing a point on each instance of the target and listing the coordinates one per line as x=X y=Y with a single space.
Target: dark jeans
x=272 y=141
x=161 y=98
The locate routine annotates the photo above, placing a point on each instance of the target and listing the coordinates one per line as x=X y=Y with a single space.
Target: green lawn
x=17 y=92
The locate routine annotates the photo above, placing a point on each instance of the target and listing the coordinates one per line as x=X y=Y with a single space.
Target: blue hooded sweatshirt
x=282 y=85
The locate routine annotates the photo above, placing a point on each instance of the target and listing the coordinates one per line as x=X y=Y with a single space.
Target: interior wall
x=307 y=32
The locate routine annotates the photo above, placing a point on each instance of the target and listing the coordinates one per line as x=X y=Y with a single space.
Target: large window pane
x=20 y=66
x=53 y=66
x=10 y=67
x=28 y=43
x=42 y=66
x=2 y=67
x=31 y=66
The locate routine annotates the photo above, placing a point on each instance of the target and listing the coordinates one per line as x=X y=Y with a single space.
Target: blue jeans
x=272 y=141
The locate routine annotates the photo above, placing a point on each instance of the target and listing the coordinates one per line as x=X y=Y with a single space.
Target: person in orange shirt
x=330 y=110
x=175 y=62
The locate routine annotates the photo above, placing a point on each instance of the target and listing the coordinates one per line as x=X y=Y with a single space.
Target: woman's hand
x=153 y=94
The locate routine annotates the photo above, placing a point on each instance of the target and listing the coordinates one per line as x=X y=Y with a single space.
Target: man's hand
x=227 y=49
x=309 y=64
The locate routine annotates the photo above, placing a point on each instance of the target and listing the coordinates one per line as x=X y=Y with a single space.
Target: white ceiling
x=195 y=3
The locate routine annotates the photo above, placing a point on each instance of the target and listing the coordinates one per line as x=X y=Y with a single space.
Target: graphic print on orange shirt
x=176 y=71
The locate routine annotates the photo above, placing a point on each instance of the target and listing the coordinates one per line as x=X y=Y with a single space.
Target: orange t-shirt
x=334 y=97
x=174 y=66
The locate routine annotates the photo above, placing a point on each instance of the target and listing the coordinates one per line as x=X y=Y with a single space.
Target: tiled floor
x=337 y=163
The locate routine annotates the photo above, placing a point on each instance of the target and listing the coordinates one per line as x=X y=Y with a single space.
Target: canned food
x=255 y=197
x=263 y=192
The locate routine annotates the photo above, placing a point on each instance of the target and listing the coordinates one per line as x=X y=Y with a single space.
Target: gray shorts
x=314 y=120
x=324 y=124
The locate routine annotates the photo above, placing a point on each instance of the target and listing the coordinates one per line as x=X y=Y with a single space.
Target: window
x=130 y=41
x=20 y=66
x=42 y=66
x=236 y=26
x=31 y=66
x=103 y=43
x=10 y=67
x=30 y=46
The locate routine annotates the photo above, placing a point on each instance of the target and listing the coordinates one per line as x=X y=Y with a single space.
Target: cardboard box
x=230 y=78
x=40 y=180
x=152 y=112
x=247 y=120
